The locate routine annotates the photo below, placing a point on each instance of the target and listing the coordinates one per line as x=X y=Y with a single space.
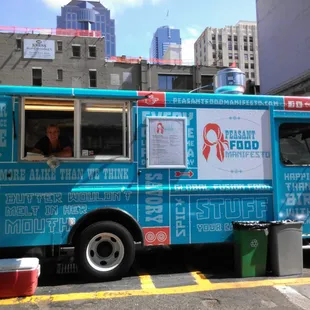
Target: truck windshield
x=295 y=143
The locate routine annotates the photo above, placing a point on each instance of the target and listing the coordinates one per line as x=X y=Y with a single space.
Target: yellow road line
x=199 y=277
x=205 y=286
x=260 y=283
x=146 y=282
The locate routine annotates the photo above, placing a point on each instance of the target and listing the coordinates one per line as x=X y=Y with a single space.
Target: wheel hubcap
x=105 y=252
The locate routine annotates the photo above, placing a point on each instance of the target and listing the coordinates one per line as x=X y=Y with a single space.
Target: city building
x=78 y=60
x=224 y=46
x=163 y=37
x=89 y=15
x=174 y=53
x=46 y=59
x=284 y=46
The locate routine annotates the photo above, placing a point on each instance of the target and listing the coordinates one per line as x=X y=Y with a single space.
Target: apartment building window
x=76 y=50
x=251 y=47
x=245 y=47
x=220 y=46
x=213 y=37
x=92 y=51
x=250 y=39
x=214 y=46
x=59 y=46
x=236 y=56
x=37 y=76
x=214 y=55
x=229 y=38
x=230 y=56
x=245 y=39
x=235 y=39
x=247 y=75
x=252 y=66
x=246 y=65
x=246 y=57
x=229 y=45
x=92 y=78
x=175 y=82
x=235 y=47
x=252 y=75
x=219 y=37
x=19 y=44
x=59 y=74
x=252 y=56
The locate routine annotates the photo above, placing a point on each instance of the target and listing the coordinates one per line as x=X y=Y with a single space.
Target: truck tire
x=104 y=251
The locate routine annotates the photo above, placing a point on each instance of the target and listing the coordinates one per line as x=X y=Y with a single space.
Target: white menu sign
x=166 y=142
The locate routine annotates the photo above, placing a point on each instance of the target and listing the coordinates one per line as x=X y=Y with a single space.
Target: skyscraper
x=89 y=15
x=162 y=38
x=284 y=45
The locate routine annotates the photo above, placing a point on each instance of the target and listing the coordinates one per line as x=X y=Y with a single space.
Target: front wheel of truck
x=105 y=251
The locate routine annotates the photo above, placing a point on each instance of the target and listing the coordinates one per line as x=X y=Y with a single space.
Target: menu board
x=166 y=142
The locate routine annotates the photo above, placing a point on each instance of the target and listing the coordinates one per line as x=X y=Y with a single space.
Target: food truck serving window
x=75 y=129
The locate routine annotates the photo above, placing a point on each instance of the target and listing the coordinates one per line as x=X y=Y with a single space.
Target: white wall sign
x=39 y=49
x=233 y=144
x=166 y=142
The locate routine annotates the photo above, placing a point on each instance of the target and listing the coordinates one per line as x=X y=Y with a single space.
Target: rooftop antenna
x=166 y=17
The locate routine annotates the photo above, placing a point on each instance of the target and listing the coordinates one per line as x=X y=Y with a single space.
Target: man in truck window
x=53 y=143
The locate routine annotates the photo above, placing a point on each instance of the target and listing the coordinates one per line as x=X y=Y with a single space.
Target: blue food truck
x=103 y=171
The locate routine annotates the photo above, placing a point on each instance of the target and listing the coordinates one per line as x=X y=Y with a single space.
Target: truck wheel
x=104 y=251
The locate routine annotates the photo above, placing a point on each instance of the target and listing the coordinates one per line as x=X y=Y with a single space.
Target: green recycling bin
x=250 y=248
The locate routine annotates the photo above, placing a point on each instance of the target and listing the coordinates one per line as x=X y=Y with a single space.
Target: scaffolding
x=51 y=31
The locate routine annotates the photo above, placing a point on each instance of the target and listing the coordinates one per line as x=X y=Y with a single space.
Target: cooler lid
x=13 y=264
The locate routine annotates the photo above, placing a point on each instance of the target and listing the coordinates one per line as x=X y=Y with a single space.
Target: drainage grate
x=65 y=268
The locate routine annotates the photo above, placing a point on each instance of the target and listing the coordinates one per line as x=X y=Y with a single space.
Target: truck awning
x=37 y=91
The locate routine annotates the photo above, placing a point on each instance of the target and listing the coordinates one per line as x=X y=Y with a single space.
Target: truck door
x=291 y=165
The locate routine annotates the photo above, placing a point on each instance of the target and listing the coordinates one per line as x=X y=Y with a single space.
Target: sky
x=137 y=20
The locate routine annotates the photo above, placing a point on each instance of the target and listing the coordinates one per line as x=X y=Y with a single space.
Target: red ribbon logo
x=160 y=128
x=220 y=142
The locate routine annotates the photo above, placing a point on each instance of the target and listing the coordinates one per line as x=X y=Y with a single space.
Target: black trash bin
x=285 y=248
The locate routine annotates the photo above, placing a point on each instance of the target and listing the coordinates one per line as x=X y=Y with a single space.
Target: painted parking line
x=199 y=277
x=146 y=281
x=294 y=297
x=204 y=286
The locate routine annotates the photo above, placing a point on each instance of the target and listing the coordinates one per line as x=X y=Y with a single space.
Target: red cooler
x=19 y=277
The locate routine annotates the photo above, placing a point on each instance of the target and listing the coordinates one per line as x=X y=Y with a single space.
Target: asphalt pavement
x=184 y=277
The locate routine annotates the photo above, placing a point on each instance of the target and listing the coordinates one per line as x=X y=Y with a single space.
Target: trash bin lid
x=286 y=222
x=250 y=225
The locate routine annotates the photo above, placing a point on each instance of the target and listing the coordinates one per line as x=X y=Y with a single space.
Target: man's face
x=52 y=133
